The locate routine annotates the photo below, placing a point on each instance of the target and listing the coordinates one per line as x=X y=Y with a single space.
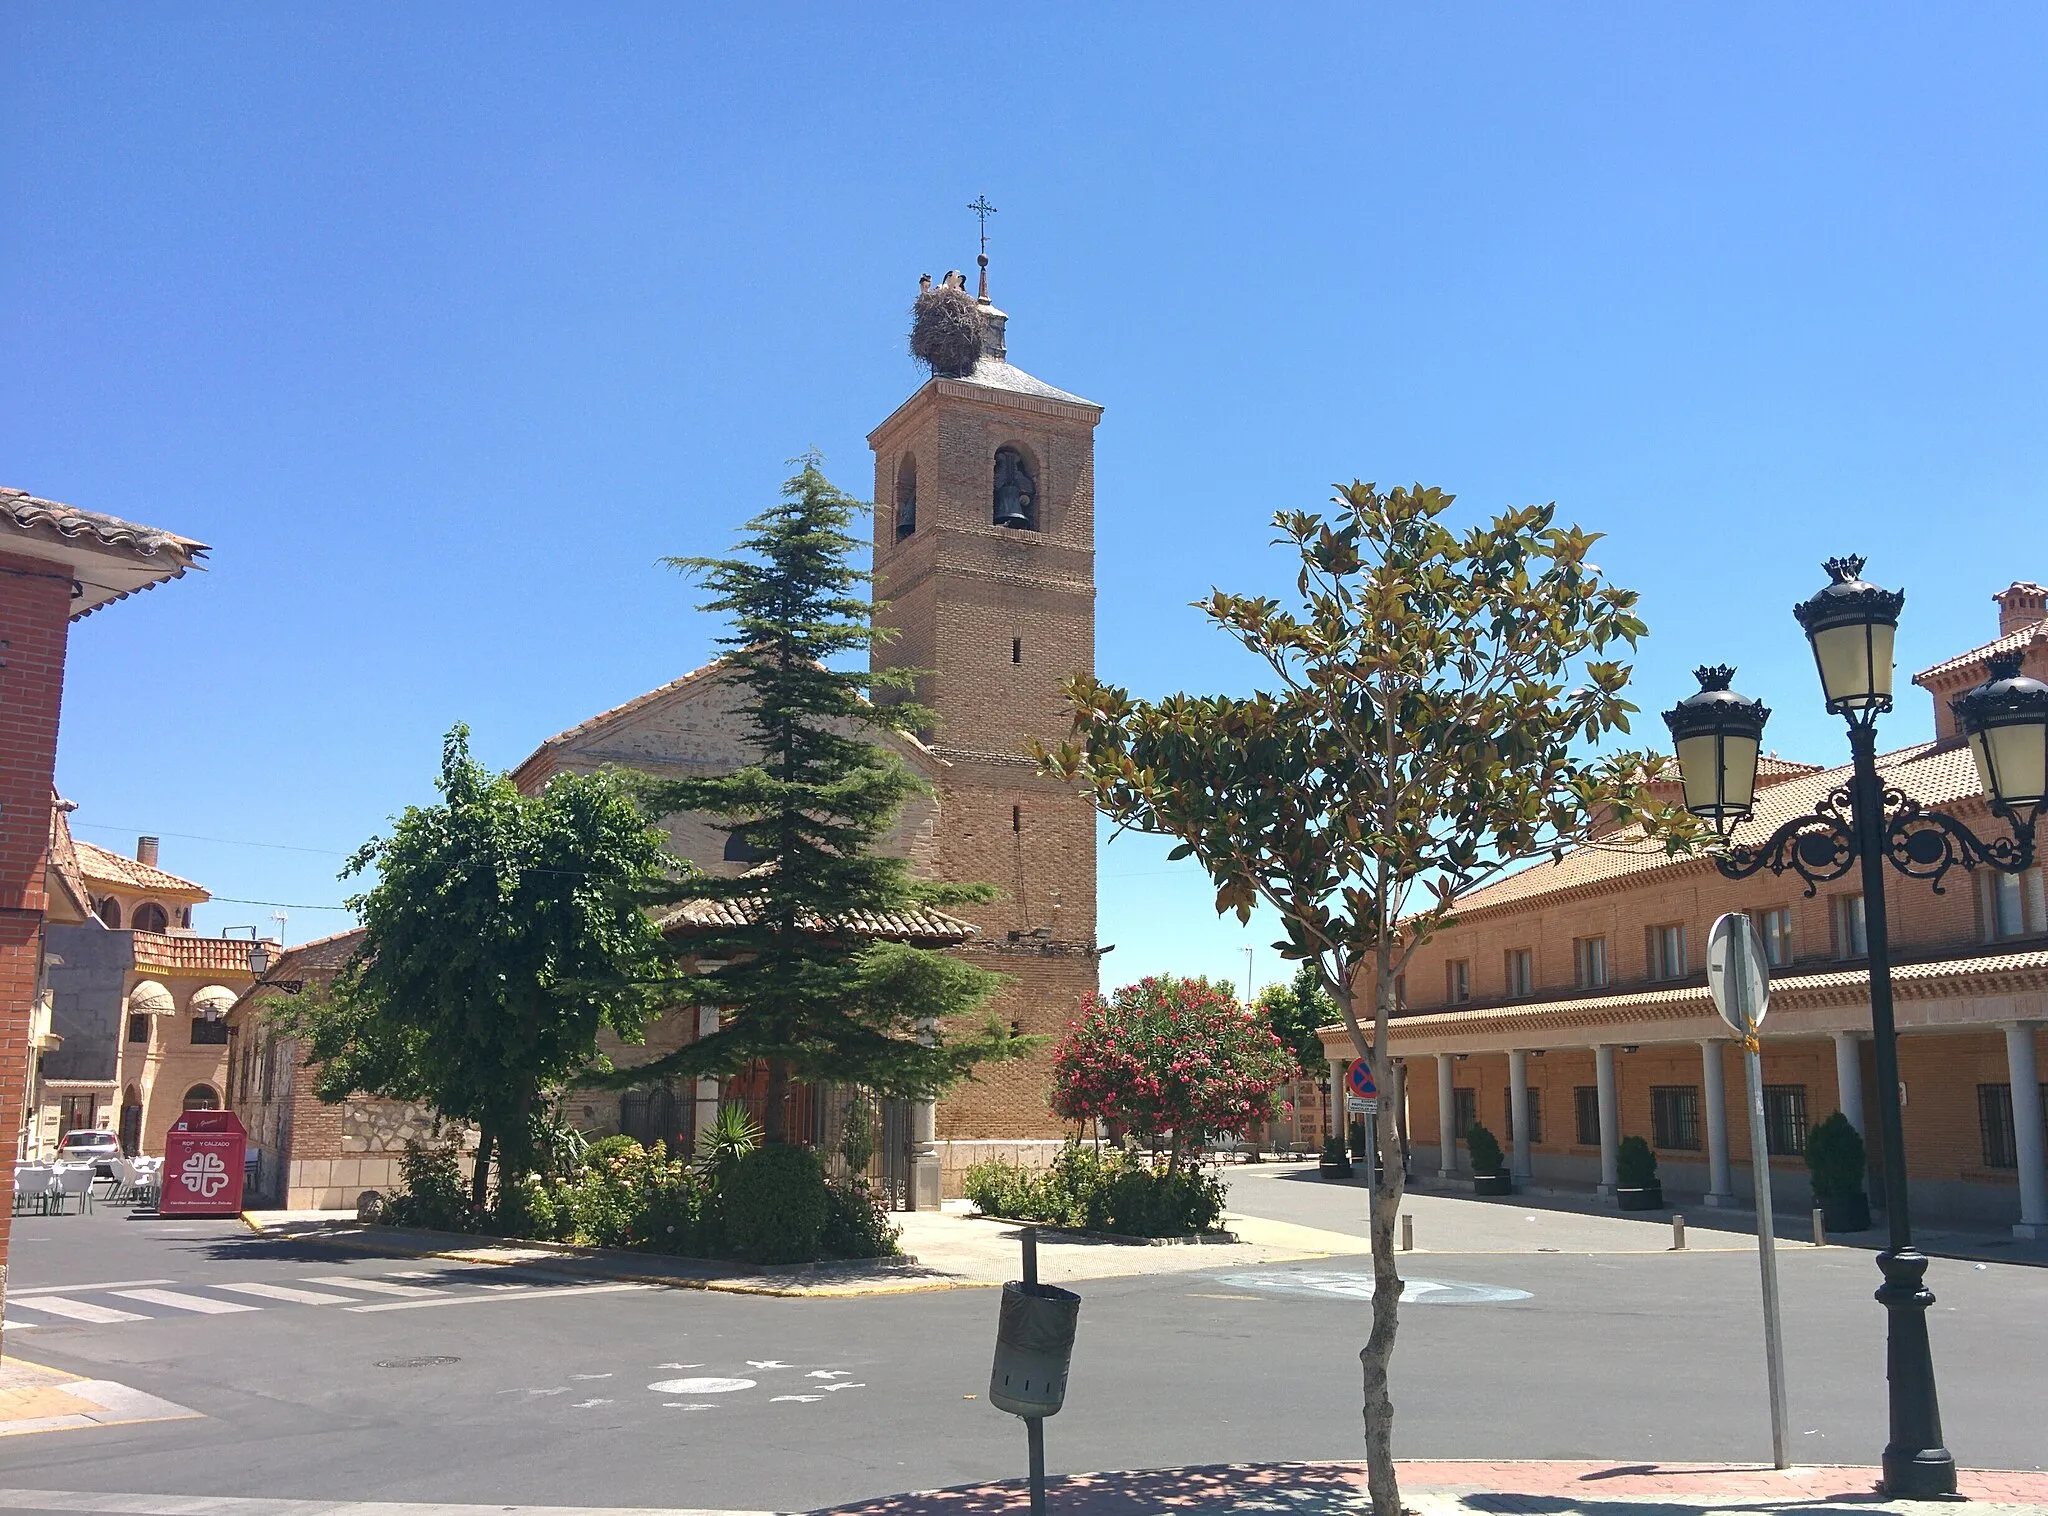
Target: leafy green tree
x=803 y=961
x=1438 y=701
x=1295 y=1010
x=503 y=931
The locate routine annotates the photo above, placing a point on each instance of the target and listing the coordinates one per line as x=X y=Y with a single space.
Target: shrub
x=1483 y=1147
x=1118 y=1192
x=774 y=1204
x=856 y=1226
x=435 y=1195
x=618 y=1145
x=1835 y=1159
x=1170 y=1055
x=1361 y=1142
x=1636 y=1164
x=1333 y=1150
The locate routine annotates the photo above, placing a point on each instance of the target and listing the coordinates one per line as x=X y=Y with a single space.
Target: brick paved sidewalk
x=1452 y=1488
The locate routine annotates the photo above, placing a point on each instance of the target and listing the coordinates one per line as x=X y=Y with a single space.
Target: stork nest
x=945 y=331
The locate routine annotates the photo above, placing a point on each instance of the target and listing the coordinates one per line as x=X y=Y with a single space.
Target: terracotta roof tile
x=64 y=858
x=918 y=925
x=1910 y=981
x=101 y=866
x=1934 y=773
x=183 y=953
x=315 y=962
x=52 y=521
x=2013 y=641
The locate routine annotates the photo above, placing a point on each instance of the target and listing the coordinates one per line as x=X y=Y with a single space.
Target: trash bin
x=1034 y=1346
x=204 y=1155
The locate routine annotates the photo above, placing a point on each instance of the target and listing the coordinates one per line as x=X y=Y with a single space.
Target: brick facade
x=35 y=607
x=997 y=617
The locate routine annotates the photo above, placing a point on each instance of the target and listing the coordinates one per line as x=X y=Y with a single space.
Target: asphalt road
x=419 y=1380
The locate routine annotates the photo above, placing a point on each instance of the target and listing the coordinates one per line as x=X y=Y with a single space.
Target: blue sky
x=442 y=323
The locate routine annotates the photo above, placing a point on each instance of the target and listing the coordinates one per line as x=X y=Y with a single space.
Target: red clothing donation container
x=203 y=1156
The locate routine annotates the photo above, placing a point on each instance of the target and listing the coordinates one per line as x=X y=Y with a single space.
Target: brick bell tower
x=985 y=557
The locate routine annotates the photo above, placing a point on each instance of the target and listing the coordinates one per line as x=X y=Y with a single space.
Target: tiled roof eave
x=1994 y=974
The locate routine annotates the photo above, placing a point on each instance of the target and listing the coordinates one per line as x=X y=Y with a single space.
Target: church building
x=984 y=555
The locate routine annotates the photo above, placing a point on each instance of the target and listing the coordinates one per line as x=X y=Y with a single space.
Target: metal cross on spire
x=984 y=210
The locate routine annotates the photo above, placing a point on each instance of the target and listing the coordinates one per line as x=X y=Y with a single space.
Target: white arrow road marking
x=799 y=1399
x=766 y=1363
x=842 y=1385
x=679 y=1365
x=605 y=1375
x=584 y=1405
x=827 y=1374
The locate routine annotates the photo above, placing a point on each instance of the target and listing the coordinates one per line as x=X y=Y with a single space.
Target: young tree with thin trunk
x=502 y=932
x=1437 y=705
x=813 y=980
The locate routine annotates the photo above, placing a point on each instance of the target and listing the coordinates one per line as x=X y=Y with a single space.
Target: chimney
x=2024 y=604
x=145 y=851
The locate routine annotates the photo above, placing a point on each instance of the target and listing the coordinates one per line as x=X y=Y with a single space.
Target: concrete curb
x=1452 y=1487
x=806 y=1279
x=1118 y=1239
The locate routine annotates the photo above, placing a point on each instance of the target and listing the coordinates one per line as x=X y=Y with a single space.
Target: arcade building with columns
x=1567 y=1007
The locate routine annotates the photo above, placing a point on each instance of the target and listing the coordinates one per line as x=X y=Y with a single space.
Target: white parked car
x=98 y=1148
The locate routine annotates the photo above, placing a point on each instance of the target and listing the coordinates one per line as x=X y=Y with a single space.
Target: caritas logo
x=204 y=1174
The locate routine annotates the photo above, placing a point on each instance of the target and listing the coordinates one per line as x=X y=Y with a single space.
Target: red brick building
x=57 y=564
x=1567 y=1006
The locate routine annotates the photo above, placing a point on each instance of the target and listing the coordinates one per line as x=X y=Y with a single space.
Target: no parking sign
x=1361 y=1095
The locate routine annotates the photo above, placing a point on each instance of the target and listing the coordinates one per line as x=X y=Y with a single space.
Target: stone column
x=1610 y=1121
x=707 y=1088
x=1849 y=1079
x=926 y=1173
x=1446 y=1102
x=1518 y=1108
x=1720 y=1179
x=2025 y=1075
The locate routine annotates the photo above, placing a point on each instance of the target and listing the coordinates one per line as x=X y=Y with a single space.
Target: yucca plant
x=732 y=1134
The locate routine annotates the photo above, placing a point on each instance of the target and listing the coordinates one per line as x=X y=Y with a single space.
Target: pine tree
x=811 y=982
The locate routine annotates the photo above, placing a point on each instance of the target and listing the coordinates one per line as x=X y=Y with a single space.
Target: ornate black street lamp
x=1865 y=824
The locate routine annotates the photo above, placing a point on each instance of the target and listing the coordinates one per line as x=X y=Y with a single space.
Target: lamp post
x=1866 y=825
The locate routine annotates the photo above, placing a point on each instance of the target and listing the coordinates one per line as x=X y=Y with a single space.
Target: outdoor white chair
x=72 y=1179
x=32 y=1188
x=121 y=1185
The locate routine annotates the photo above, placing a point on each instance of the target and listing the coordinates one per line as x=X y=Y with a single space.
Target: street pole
x=1916 y=1463
x=1034 y=1426
x=1767 y=1254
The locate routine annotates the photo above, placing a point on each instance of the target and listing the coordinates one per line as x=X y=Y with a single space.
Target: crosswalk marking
x=519 y=1292
x=287 y=1292
x=77 y=1310
x=182 y=1302
x=73 y=1289
x=371 y=1286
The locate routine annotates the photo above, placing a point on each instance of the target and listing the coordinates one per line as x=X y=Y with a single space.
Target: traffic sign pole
x=1739 y=981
